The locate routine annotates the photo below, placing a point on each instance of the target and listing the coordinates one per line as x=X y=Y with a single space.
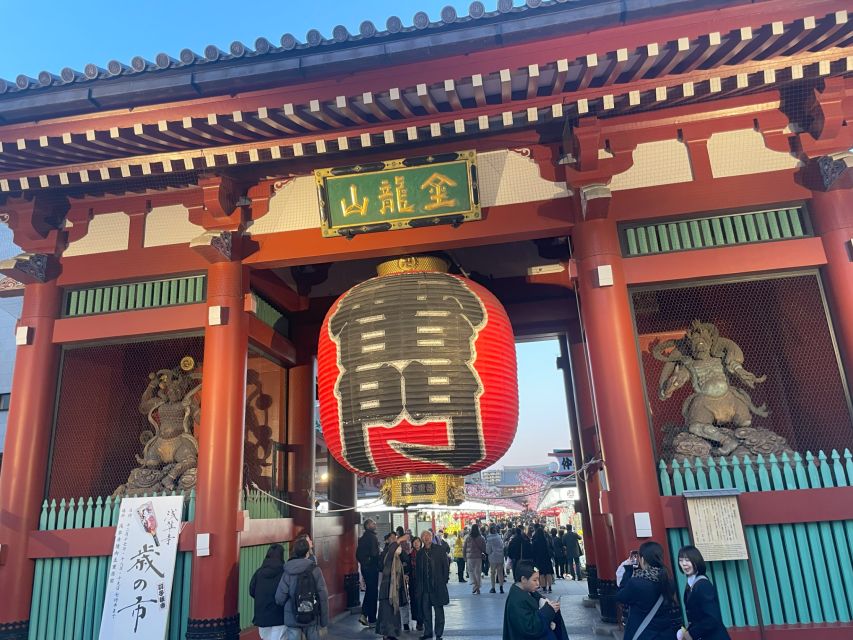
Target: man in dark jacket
x=269 y=616
x=573 y=552
x=288 y=589
x=433 y=572
x=367 y=554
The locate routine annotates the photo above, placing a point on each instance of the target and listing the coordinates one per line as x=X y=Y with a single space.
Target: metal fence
x=782 y=327
x=801 y=569
x=68 y=593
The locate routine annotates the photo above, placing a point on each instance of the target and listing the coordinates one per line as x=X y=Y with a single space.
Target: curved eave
x=230 y=74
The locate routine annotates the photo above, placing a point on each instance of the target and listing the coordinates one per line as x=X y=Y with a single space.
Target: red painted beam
x=509 y=223
x=266 y=337
x=125 y=324
x=775 y=507
x=725 y=261
x=762 y=190
x=97 y=541
x=132 y=264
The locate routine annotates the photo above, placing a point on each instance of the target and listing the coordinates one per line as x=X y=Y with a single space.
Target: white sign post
x=142 y=569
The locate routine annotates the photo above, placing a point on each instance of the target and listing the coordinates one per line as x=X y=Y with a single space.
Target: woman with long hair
x=475 y=547
x=649 y=591
x=705 y=621
x=393 y=595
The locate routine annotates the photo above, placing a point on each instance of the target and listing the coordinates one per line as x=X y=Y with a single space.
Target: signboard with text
x=142 y=568
x=715 y=524
x=397 y=194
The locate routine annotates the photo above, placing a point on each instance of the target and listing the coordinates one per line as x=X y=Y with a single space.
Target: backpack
x=306 y=604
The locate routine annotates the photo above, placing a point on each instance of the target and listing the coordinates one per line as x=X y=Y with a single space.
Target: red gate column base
x=214 y=629
x=15 y=630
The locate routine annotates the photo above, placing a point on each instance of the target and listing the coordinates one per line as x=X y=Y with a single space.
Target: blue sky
x=47 y=36
x=543 y=423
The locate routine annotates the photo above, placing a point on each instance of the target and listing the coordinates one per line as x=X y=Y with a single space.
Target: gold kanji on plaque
x=396 y=199
x=354 y=207
x=437 y=185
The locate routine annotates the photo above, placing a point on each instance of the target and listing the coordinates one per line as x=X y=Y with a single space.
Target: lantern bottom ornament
x=436 y=488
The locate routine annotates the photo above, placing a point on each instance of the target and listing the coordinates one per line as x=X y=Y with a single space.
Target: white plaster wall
x=294 y=206
x=655 y=163
x=107 y=232
x=742 y=152
x=169 y=225
x=507 y=177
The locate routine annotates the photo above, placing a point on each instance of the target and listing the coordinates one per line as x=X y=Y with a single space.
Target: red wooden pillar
x=832 y=215
x=301 y=438
x=629 y=481
x=25 y=458
x=600 y=533
x=213 y=604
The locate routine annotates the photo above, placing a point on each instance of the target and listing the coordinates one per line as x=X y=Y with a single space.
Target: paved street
x=471 y=617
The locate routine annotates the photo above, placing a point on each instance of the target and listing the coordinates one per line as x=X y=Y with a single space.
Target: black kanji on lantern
x=405 y=352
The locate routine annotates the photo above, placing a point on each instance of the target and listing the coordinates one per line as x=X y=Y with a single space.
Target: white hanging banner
x=142 y=569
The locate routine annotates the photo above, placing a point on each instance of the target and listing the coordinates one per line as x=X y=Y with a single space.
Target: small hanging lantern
x=417 y=380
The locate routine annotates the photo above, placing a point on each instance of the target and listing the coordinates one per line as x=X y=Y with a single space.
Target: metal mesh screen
x=98 y=419
x=781 y=326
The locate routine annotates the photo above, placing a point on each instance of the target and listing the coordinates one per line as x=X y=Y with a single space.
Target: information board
x=715 y=524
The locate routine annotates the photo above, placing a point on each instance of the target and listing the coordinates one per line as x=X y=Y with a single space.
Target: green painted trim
x=271 y=315
x=794 y=562
x=150 y=294
x=715 y=231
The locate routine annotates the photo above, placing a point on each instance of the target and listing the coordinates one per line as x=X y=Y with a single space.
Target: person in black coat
x=572 y=542
x=559 y=553
x=432 y=570
x=705 y=621
x=269 y=616
x=367 y=554
x=542 y=558
x=645 y=588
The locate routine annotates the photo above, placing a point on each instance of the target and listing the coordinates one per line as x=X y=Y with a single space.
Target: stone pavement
x=471 y=617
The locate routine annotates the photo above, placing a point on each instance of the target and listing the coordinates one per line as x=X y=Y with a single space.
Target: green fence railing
x=261 y=505
x=151 y=294
x=68 y=593
x=801 y=569
x=715 y=231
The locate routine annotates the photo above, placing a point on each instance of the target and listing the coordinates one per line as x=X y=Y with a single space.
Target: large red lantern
x=417 y=376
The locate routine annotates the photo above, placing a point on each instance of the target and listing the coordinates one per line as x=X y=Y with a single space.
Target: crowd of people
x=405 y=584
x=405 y=577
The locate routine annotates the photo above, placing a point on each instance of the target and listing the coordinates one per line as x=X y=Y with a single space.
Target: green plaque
x=399 y=194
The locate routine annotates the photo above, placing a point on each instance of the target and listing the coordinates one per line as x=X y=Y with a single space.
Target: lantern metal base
x=420 y=488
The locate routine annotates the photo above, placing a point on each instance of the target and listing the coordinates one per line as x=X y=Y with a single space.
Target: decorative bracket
x=595 y=162
x=37 y=223
x=27 y=268
x=216 y=246
x=833 y=166
x=217 y=203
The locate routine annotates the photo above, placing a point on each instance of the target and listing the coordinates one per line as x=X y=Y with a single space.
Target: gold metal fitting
x=412 y=263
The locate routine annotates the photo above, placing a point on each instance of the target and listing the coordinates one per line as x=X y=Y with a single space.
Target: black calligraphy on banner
x=405 y=352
